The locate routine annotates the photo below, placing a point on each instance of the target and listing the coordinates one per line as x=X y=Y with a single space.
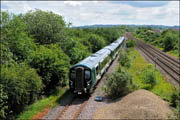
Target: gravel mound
x=140 y=104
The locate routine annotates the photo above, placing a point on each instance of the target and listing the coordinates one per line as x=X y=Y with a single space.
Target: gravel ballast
x=140 y=104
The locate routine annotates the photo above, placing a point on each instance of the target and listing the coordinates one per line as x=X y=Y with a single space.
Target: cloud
x=73 y=3
x=142 y=3
x=103 y=12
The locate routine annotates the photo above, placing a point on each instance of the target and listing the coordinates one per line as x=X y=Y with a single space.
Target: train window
x=73 y=74
x=97 y=70
x=87 y=74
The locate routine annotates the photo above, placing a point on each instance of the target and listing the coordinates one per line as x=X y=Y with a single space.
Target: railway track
x=73 y=109
x=170 y=65
x=72 y=106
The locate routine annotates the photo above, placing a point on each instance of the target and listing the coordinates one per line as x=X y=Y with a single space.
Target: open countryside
x=90 y=60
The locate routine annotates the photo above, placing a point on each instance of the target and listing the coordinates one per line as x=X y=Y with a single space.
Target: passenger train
x=84 y=75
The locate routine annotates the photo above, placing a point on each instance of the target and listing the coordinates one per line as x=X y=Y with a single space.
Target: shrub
x=124 y=60
x=175 y=99
x=52 y=65
x=130 y=43
x=175 y=102
x=22 y=85
x=3 y=103
x=118 y=84
x=149 y=76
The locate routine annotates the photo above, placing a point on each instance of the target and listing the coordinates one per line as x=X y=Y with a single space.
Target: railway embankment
x=155 y=101
x=141 y=104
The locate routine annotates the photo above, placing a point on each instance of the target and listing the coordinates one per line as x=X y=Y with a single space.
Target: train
x=84 y=75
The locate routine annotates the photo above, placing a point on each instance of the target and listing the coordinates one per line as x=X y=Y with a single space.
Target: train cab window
x=73 y=74
x=87 y=74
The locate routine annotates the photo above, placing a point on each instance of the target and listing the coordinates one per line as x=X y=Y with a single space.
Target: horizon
x=130 y=25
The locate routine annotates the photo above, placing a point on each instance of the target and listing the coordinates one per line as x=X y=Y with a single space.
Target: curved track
x=170 y=65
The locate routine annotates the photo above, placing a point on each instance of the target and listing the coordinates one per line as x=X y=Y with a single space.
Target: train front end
x=80 y=80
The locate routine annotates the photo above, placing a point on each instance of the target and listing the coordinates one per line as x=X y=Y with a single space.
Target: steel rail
x=164 y=65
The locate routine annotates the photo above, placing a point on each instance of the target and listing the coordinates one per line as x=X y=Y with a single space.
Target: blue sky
x=104 y=12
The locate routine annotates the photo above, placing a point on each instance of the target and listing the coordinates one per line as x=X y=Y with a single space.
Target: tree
x=97 y=42
x=3 y=103
x=22 y=85
x=52 y=65
x=46 y=27
x=168 y=42
x=14 y=38
x=76 y=51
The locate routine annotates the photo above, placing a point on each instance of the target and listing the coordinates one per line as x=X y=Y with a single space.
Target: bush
x=52 y=65
x=118 y=84
x=124 y=60
x=130 y=43
x=175 y=99
x=149 y=76
x=175 y=102
x=3 y=103
x=22 y=85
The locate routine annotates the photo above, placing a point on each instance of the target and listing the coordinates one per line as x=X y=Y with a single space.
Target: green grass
x=39 y=105
x=174 y=53
x=138 y=63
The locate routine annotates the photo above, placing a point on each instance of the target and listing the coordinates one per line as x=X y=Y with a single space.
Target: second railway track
x=170 y=65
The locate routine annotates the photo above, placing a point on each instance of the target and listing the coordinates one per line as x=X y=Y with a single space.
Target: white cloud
x=73 y=3
x=102 y=12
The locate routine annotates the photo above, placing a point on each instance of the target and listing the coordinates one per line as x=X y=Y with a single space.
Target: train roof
x=115 y=44
x=120 y=40
x=95 y=58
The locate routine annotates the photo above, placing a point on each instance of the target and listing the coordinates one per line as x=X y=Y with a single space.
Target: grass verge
x=162 y=88
x=40 y=105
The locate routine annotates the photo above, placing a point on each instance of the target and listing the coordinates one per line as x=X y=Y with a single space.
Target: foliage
x=162 y=88
x=6 y=55
x=22 y=85
x=167 y=39
x=46 y=27
x=15 y=38
x=52 y=65
x=124 y=59
x=3 y=103
x=76 y=51
x=118 y=84
x=170 y=42
x=97 y=42
x=37 y=49
x=40 y=105
x=175 y=99
x=149 y=77
x=130 y=43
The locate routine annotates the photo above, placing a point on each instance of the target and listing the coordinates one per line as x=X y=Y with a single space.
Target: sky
x=81 y=13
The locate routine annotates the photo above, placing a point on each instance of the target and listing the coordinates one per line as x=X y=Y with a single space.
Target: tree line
x=37 y=50
x=167 y=39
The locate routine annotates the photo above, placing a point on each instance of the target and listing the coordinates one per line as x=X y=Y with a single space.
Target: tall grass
x=40 y=105
x=145 y=76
